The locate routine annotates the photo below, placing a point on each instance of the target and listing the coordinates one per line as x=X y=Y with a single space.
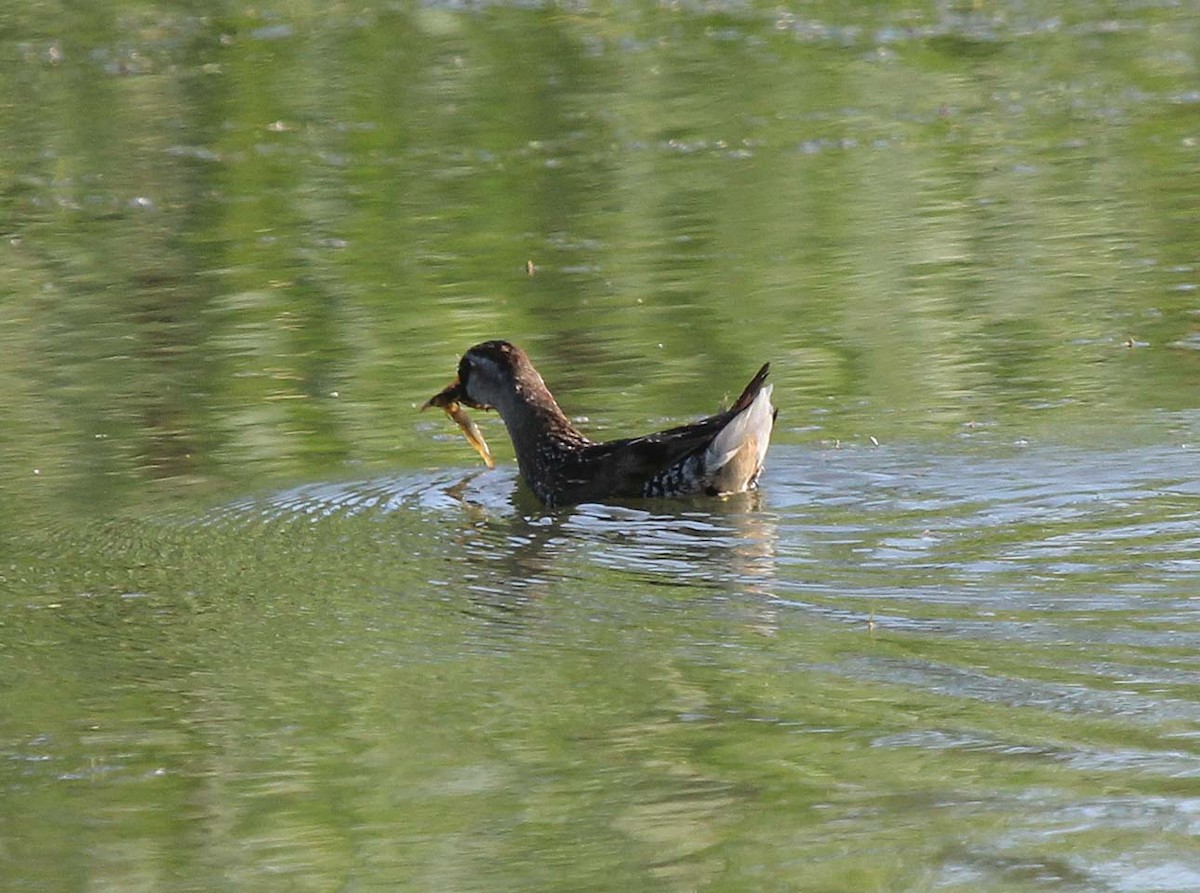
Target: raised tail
x=734 y=459
x=751 y=390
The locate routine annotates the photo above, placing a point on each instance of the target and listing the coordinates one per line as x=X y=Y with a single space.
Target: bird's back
x=721 y=454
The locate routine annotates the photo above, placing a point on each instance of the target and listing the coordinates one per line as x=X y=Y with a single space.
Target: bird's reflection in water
x=504 y=552
x=634 y=567
x=516 y=551
x=505 y=548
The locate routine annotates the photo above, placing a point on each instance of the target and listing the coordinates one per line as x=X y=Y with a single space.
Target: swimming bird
x=718 y=455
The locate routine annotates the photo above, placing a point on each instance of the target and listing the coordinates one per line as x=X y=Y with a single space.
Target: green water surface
x=265 y=626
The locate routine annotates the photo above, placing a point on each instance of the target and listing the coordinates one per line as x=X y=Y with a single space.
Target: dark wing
x=622 y=467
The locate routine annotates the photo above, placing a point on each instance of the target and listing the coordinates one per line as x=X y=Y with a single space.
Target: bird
x=719 y=455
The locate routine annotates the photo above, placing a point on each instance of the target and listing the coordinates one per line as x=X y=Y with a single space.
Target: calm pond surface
x=265 y=626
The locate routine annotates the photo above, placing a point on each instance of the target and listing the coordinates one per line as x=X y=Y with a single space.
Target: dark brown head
x=489 y=374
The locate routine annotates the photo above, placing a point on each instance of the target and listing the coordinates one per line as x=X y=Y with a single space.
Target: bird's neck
x=537 y=425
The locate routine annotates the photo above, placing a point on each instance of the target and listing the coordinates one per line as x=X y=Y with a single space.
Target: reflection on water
x=262 y=625
x=980 y=660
